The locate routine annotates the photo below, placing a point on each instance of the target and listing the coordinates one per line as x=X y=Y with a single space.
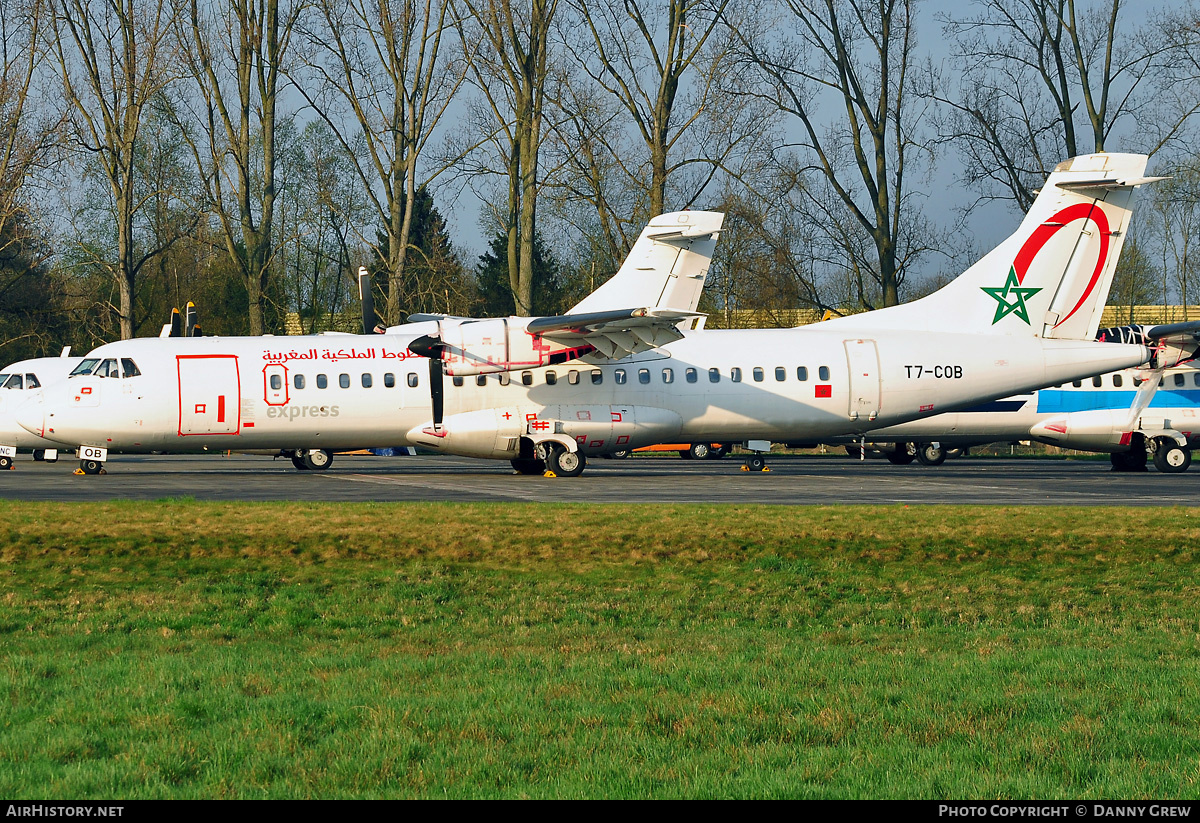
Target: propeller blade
x=1145 y=394
x=190 y=323
x=176 y=324
x=432 y=347
x=435 y=391
x=367 y=300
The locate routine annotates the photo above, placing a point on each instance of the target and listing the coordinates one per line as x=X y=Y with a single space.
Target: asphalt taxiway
x=793 y=480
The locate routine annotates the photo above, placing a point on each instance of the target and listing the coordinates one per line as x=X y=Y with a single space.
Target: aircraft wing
x=614 y=334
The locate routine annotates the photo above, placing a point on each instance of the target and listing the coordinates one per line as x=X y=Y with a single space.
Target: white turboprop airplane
x=18 y=383
x=549 y=392
x=1136 y=415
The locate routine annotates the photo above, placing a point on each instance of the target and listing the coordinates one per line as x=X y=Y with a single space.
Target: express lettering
x=292 y=412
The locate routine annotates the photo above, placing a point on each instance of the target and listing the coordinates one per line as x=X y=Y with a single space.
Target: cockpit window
x=129 y=368
x=14 y=382
x=3 y=379
x=86 y=367
x=31 y=381
x=107 y=368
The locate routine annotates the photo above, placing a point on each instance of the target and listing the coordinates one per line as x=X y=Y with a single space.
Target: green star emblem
x=1011 y=298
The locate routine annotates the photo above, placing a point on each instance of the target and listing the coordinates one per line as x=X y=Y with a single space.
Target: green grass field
x=184 y=649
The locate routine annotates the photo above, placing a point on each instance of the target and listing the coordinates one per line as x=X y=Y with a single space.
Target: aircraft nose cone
x=31 y=416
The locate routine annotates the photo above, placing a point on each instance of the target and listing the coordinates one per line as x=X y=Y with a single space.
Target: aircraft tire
x=525 y=465
x=91 y=466
x=566 y=463
x=756 y=463
x=700 y=451
x=901 y=456
x=5 y=463
x=1133 y=460
x=619 y=454
x=854 y=451
x=686 y=454
x=298 y=462
x=930 y=454
x=39 y=455
x=1172 y=458
x=317 y=460
x=720 y=451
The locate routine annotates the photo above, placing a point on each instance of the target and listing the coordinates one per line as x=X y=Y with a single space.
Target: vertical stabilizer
x=1051 y=278
x=666 y=267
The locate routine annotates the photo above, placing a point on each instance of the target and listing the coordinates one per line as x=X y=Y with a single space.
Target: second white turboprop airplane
x=549 y=392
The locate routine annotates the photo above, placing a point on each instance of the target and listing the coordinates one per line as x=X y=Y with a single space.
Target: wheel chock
x=745 y=468
x=78 y=471
x=549 y=474
x=766 y=468
x=105 y=471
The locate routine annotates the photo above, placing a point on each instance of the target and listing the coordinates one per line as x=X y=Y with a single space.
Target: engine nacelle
x=1108 y=430
x=487 y=346
x=594 y=429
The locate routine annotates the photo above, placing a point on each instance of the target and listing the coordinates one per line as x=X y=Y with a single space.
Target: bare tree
x=852 y=57
x=114 y=59
x=383 y=63
x=236 y=51
x=509 y=51
x=1043 y=80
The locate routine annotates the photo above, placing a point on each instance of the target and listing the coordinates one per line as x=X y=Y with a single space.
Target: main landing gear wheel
x=317 y=460
x=564 y=463
x=719 y=452
x=697 y=451
x=6 y=463
x=1172 y=458
x=524 y=465
x=755 y=463
x=619 y=454
x=931 y=454
x=91 y=467
x=298 y=462
x=1133 y=460
x=902 y=455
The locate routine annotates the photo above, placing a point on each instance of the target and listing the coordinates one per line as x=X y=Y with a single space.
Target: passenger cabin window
x=457 y=381
x=1179 y=380
x=505 y=378
x=322 y=381
x=367 y=380
x=389 y=380
x=1077 y=383
x=85 y=367
x=1097 y=381
x=481 y=380
x=344 y=381
x=823 y=372
x=597 y=377
x=668 y=376
x=643 y=376
x=14 y=382
x=1118 y=381
x=129 y=368
x=619 y=376
x=780 y=373
x=801 y=373
x=1137 y=381
x=276 y=382
x=758 y=374
x=413 y=380
x=551 y=378
x=298 y=381
x=714 y=375
x=31 y=382
x=573 y=377
x=735 y=374
x=690 y=374
x=1196 y=379
x=526 y=378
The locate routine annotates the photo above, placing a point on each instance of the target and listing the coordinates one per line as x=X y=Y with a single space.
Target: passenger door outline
x=209 y=394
